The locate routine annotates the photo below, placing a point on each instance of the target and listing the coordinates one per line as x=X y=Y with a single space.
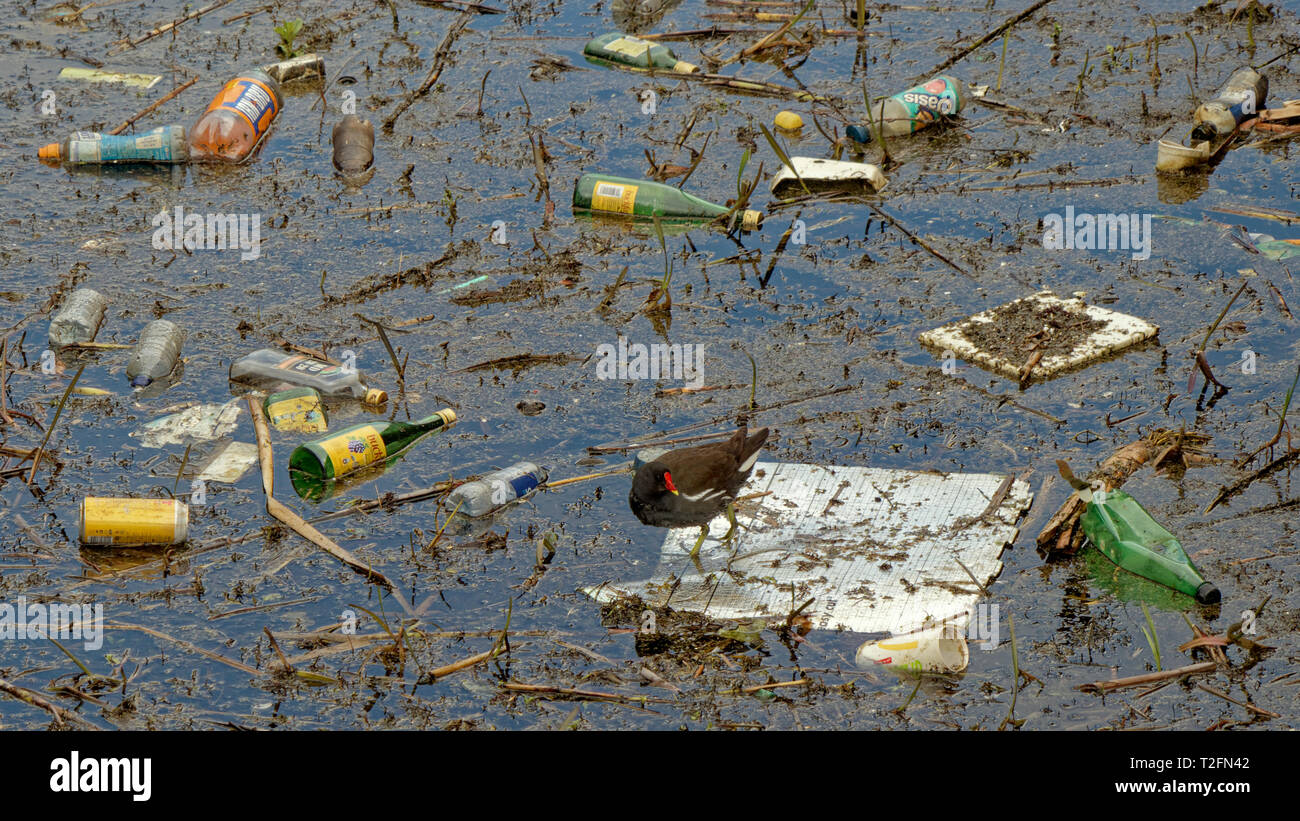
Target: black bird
x=688 y=487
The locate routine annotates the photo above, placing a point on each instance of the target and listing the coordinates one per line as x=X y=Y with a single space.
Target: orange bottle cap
x=53 y=151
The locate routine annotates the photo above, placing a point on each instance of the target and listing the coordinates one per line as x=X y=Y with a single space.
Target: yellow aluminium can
x=133 y=522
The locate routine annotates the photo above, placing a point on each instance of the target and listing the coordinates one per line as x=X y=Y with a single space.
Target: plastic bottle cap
x=374 y=396
x=684 y=67
x=141 y=381
x=859 y=133
x=1207 y=593
x=53 y=151
x=448 y=415
x=789 y=121
x=751 y=219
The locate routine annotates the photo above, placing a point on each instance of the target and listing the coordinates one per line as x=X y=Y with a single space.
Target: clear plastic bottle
x=269 y=367
x=496 y=490
x=156 y=354
x=237 y=119
x=1240 y=98
x=79 y=318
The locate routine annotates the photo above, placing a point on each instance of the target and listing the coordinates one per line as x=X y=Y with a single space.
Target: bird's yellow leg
x=704 y=532
x=731 y=518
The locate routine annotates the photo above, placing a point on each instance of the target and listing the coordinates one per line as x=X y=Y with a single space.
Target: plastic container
x=1241 y=97
x=1127 y=535
x=156 y=353
x=909 y=111
x=166 y=144
x=269 y=367
x=237 y=120
x=496 y=490
x=79 y=318
x=112 y=522
x=354 y=144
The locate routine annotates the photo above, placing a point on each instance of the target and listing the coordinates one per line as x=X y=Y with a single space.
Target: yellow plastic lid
x=374 y=396
x=53 y=151
x=684 y=67
x=448 y=415
x=750 y=220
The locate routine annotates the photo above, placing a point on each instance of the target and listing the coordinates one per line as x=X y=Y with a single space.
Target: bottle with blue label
x=166 y=144
x=496 y=490
x=909 y=111
x=1240 y=99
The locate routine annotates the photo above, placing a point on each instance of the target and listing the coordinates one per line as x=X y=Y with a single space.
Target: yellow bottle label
x=355 y=449
x=616 y=197
x=133 y=521
x=630 y=46
x=301 y=413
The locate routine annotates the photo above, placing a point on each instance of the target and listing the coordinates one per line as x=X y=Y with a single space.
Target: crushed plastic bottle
x=165 y=144
x=79 y=318
x=156 y=353
x=237 y=120
x=496 y=490
x=1125 y=533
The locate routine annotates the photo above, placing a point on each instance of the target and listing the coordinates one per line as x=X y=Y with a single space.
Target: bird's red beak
x=668 y=483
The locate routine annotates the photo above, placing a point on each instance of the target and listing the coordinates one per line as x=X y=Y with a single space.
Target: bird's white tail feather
x=703 y=495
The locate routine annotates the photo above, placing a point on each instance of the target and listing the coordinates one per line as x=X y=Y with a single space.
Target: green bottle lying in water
x=337 y=454
x=1127 y=535
x=646 y=198
x=633 y=52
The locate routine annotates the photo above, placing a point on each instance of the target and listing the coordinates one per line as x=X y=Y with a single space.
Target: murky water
x=843 y=309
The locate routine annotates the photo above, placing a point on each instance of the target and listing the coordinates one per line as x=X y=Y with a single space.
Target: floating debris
x=1043 y=331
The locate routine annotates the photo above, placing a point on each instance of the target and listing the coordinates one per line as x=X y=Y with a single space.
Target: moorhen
x=688 y=487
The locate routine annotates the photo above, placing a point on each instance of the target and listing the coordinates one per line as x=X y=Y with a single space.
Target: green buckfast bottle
x=1125 y=533
x=645 y=198
x=633 y=52
x=330 y=457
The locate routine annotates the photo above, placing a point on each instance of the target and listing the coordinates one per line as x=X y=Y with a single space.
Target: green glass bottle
x=353 y=448
x=646 y=198
x=1125 y=533
x=633 y=52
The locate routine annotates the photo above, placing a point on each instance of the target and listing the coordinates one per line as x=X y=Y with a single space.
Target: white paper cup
x=935 y=650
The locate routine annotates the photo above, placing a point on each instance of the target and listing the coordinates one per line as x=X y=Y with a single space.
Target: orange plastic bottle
x=237 y=119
